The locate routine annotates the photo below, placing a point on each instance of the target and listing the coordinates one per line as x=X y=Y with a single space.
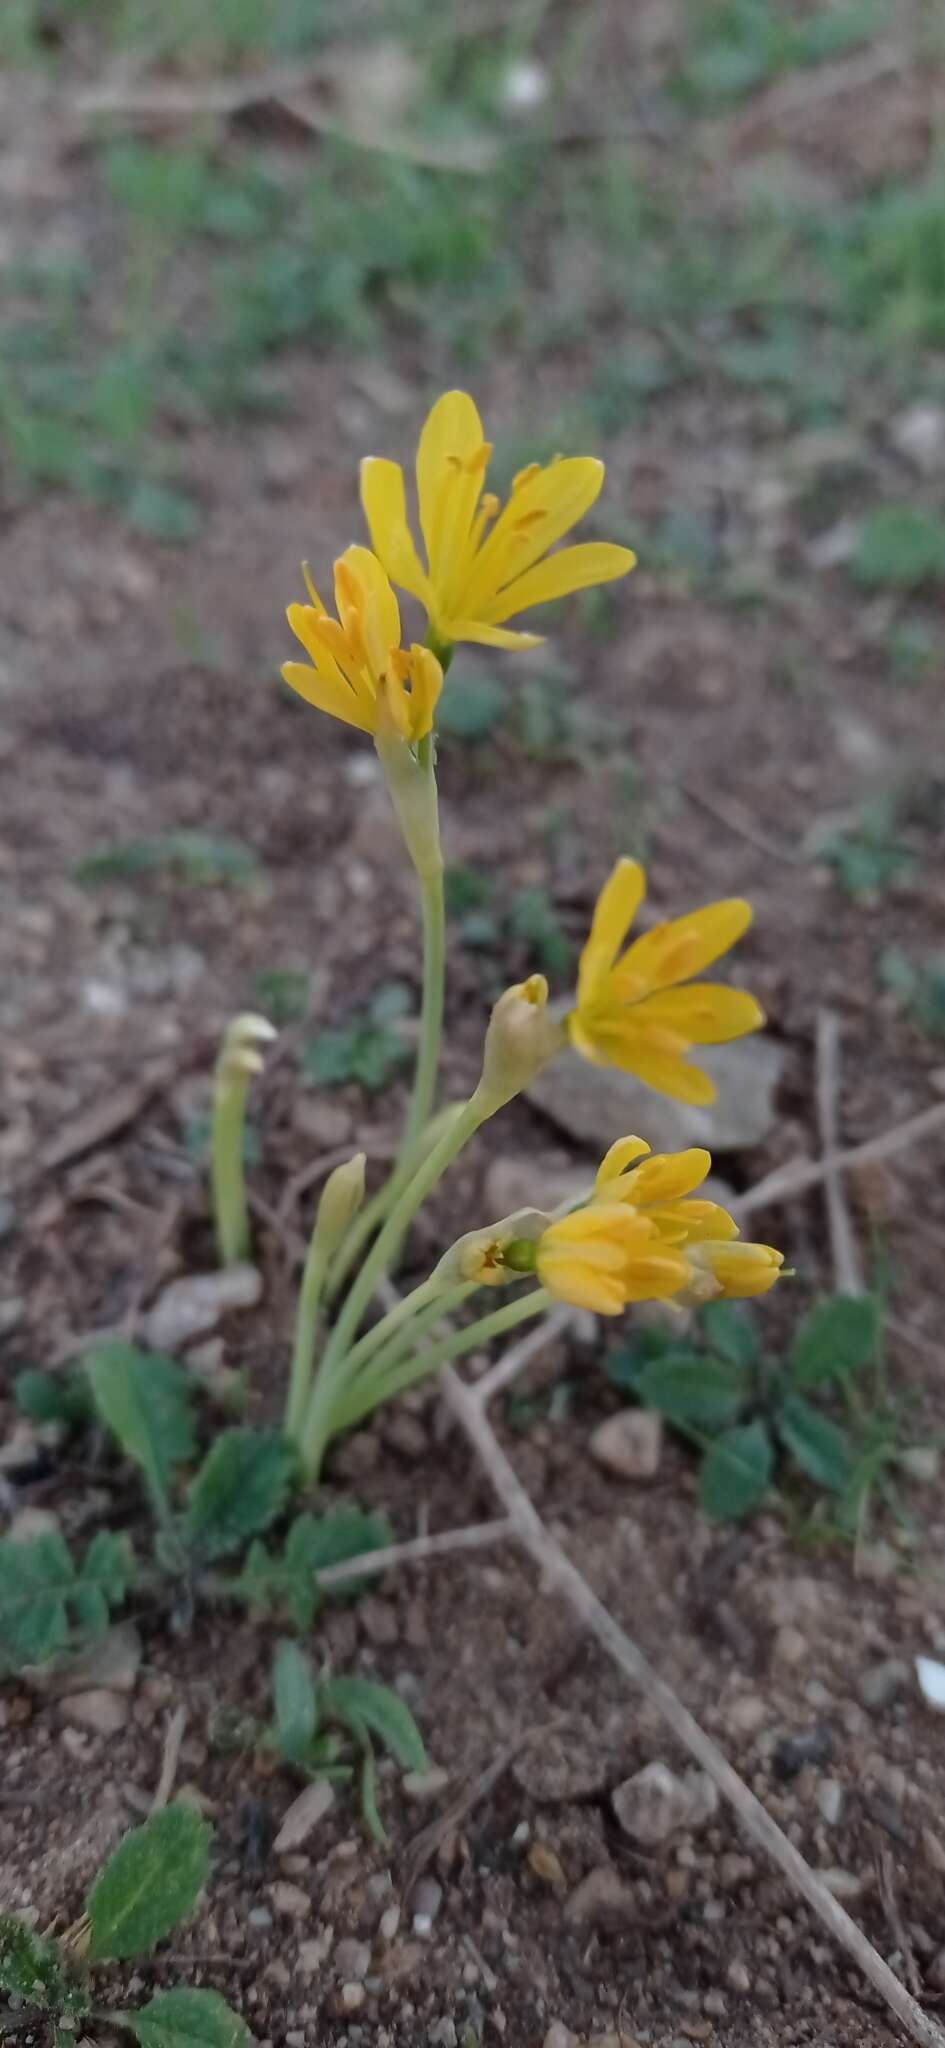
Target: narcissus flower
x=639 y=1010
x=733 y=1271
x=485 y=562
x=662 y=1186
x=359 y=672
x=605 y=1256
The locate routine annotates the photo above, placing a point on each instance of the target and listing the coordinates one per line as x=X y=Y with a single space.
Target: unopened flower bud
x=240 y=1056
x=520 y=1040
x=342 y=1196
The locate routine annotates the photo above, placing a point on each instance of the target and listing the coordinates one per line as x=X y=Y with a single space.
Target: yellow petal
x=657 y=1275
x=384 y=500
x=320 y=637
x=595 y=561
x=450 y=439
x=702 y=1013
x=614 y=912
x=667 y=1176
x=618 y=1042
x=484 y=635
x=572 y=1281
x=740 y=1269
x=673 y=952
x=620 y=1156
x=536 y=516
x=337 y=698
x=361 y=583
x=688 y=1222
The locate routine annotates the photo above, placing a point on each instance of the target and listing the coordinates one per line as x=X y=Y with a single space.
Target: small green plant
x=920 y=989
x=197 y=858
x=316 y=1722
x=370 y=1048
x=208 y=1522
x=283 y=993
x=148 y=1886
x=900 y=548
x=745 y=1411
x=865 y=851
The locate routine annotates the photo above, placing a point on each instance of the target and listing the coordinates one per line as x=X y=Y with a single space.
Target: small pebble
x=260 y=1918
x=101 y=1711
x=352 y=1997
x=931 y=1676
x=559 y=2036
x=353 y=1959
x=389 y=1923
x=289 y=1900
x=738 y=1977
x=443 y=2034
x=630 y=1444
x=808 y=1746
x=829 y=1796
x=425 y=1904
x=303 y=1816
x=844 y=1884
x=879 y=1687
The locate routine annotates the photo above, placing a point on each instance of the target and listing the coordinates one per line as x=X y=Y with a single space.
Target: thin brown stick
x=421 y=1850
x=519 y=1355
x=417 y=1550
x=800 y=1174
x=735 y=821
x=173 y=1738
x=556 y=1568
x=847 y=1271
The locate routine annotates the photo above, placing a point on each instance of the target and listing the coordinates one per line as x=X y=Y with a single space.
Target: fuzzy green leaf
x=815 y=1443
x=53 y=1397
x=33 y=1973
x=695 y=1391
x=186 y=2019
x=730 y=1333
x=294 y=1699
x=361 y=1703
x=43 y=1599
x=240 y=1488
x=735 y=1472
x=312 y=1544
x=145 y=1400
x=837 y=1338
x=152 y=1881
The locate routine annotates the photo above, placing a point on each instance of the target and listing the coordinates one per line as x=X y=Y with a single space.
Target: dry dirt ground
x=109 y=733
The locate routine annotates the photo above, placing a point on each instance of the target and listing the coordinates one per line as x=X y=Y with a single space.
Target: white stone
x=655 y=1803
x=304 y=1815
x=196 y=1303
x=101 y=1711
x=931 y=1676
x=591 y=1103
x=629 y=1444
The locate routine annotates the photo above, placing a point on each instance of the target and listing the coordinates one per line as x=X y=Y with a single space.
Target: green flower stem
x=431 y=1014
x=405 y=1342
x=226 y=1168
x=370 y=1390
x=467 y=1120
x=338 y=1392
x=391 y=1325
x=306 y=1323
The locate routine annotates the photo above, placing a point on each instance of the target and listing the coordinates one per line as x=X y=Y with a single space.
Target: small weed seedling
x=865 y=851
x=150 y=1884
x=208 y=1531
x=370 y=1048
x=316 y=1722
x=745 y=1411
x=920 y=989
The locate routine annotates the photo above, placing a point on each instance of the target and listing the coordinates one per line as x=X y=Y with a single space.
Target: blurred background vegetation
x=600 y=191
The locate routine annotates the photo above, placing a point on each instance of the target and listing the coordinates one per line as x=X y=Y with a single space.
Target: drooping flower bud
x=341 y=1198
x=520 y=1040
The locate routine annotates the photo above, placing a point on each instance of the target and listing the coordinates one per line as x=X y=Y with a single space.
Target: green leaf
x=145 y=1400
x=815 y=1443
x=835 y=1339
x=899 y=548
x=53 y=1397
x=736 y=1471
x=362 y=1701
x=41 y=1592
x=311 y=1545
x=470 y=707
x=294 y=1699
x=186 y=2019
x=730 y=1332
x=165 y=513
x=369 y=1807
x=152 y=1881
x=693 y=1390
x=240 y=1488
x=33 y=1971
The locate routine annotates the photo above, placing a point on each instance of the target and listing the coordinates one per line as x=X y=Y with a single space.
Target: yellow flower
x=662 y=1187
x=731 y=1270
x=360 y=673
x=632 y=1011
x=605 y=1256
x=485 y=561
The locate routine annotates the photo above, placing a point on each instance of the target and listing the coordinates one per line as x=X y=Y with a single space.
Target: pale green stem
x=394 y=1353
x=334 y=1392
x=306 y=1323
x=431 y=1014
x=405 y=1208
x=226 y=1169
x=392 y=1324
x=368 y=1392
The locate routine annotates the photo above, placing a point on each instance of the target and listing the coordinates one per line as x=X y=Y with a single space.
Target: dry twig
x=847 y=1272
x=557 y=1570
x=174 y=1736
x=417 y=1550
x=800 y=1174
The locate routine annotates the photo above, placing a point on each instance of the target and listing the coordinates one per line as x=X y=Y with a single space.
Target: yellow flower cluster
x=645 y=1233
x=643 y=1236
